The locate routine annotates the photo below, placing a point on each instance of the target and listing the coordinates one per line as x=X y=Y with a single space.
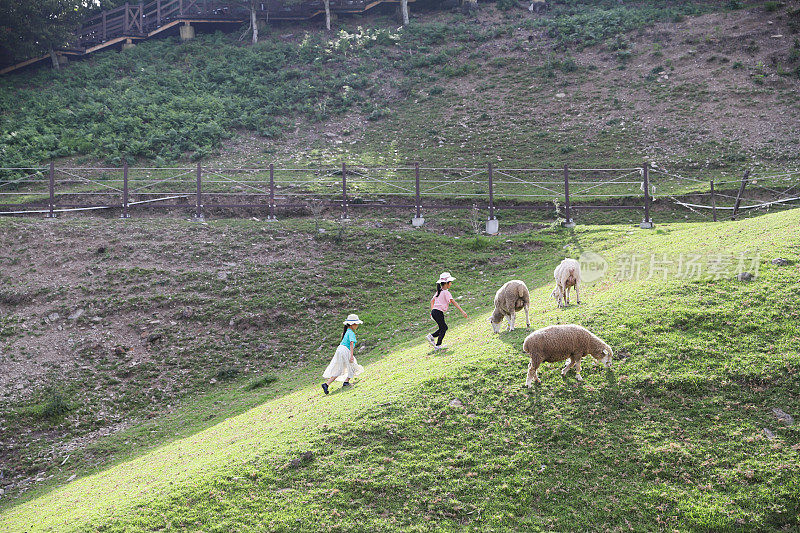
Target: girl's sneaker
x=346 y=384
x=440 y=347
x=431 y=340
x=325 y=387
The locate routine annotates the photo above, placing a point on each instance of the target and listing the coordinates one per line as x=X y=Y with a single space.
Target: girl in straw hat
x=439 y=305
x=343 y=366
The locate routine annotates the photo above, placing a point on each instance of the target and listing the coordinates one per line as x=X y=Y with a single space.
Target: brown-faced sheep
x=567 y=274
x=513 y=296
x=561 y=342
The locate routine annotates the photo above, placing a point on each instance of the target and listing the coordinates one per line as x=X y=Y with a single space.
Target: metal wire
x=605 y=182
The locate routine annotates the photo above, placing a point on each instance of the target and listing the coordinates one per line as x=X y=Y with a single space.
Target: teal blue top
x=349 y=337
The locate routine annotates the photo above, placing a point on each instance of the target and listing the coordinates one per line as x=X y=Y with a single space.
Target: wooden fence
x=271 y=190
x=50 y=190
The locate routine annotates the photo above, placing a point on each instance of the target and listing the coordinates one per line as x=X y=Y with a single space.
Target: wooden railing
x=142 y=18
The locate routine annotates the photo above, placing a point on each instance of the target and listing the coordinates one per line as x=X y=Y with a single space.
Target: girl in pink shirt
x=439 y=305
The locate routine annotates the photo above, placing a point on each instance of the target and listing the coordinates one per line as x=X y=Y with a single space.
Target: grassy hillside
x=698 y=85
x=672 y=437
x=105 y=327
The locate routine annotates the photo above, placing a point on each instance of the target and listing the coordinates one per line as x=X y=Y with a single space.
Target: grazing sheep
x=510 y=298
x=560 y=342
x=567 y=274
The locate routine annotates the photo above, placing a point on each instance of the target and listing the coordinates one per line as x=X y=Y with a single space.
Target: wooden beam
x=108 y=43
x=23 y=64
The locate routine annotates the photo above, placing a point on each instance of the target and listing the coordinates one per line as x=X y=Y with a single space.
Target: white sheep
x=561 y=342
x=513 y=296
x=567 y=274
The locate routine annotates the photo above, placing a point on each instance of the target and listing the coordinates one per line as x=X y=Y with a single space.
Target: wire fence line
x=270 y=190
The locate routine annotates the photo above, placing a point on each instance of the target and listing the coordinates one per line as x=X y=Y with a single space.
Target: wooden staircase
x=138 y=21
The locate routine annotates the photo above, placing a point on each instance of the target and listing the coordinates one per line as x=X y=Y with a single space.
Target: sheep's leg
x=572 y=362
x=527 y=318
x=577 y=293
x=533 y=372
x=511 y=320
x=578 y=370
x=566 y=295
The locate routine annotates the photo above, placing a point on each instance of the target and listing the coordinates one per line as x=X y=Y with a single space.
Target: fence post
x=180 y=7
x=141 y=17
x=417 y=220
x=647 y=223
x=105 y=31
x=344 y=191
x=158 y=13
x=271 y=191
x=713 y=202
x=125 y=191
x=492 y=225
x=52 y=201
x=568 y=222
x=198 y=214
x=125 y=20
x=739 y=194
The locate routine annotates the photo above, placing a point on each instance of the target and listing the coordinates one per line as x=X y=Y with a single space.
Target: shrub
x=171 y=100
x=52 y=406
x=554 y=63
x=576 y=25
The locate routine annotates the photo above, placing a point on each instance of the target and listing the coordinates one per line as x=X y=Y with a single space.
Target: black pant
x=438 y=316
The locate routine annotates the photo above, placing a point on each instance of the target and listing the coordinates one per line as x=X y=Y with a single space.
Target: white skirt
x=341 y=367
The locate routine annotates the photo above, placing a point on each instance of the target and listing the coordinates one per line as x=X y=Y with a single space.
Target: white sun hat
x=352 y=319
x=445 y=277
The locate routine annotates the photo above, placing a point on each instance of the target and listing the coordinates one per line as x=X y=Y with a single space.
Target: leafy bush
x=52 y=406
x=168 y=100
x=555 y=63
x=430 y=34
x=581 y=24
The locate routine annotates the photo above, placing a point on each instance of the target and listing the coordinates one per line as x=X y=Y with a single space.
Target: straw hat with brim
x=352 y=319
x=445 y=277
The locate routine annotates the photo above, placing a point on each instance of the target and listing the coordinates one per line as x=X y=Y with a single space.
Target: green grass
x=162 y=279
x=670 y=438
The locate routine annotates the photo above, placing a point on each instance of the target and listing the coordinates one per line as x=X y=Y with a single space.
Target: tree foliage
x=33 y=28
